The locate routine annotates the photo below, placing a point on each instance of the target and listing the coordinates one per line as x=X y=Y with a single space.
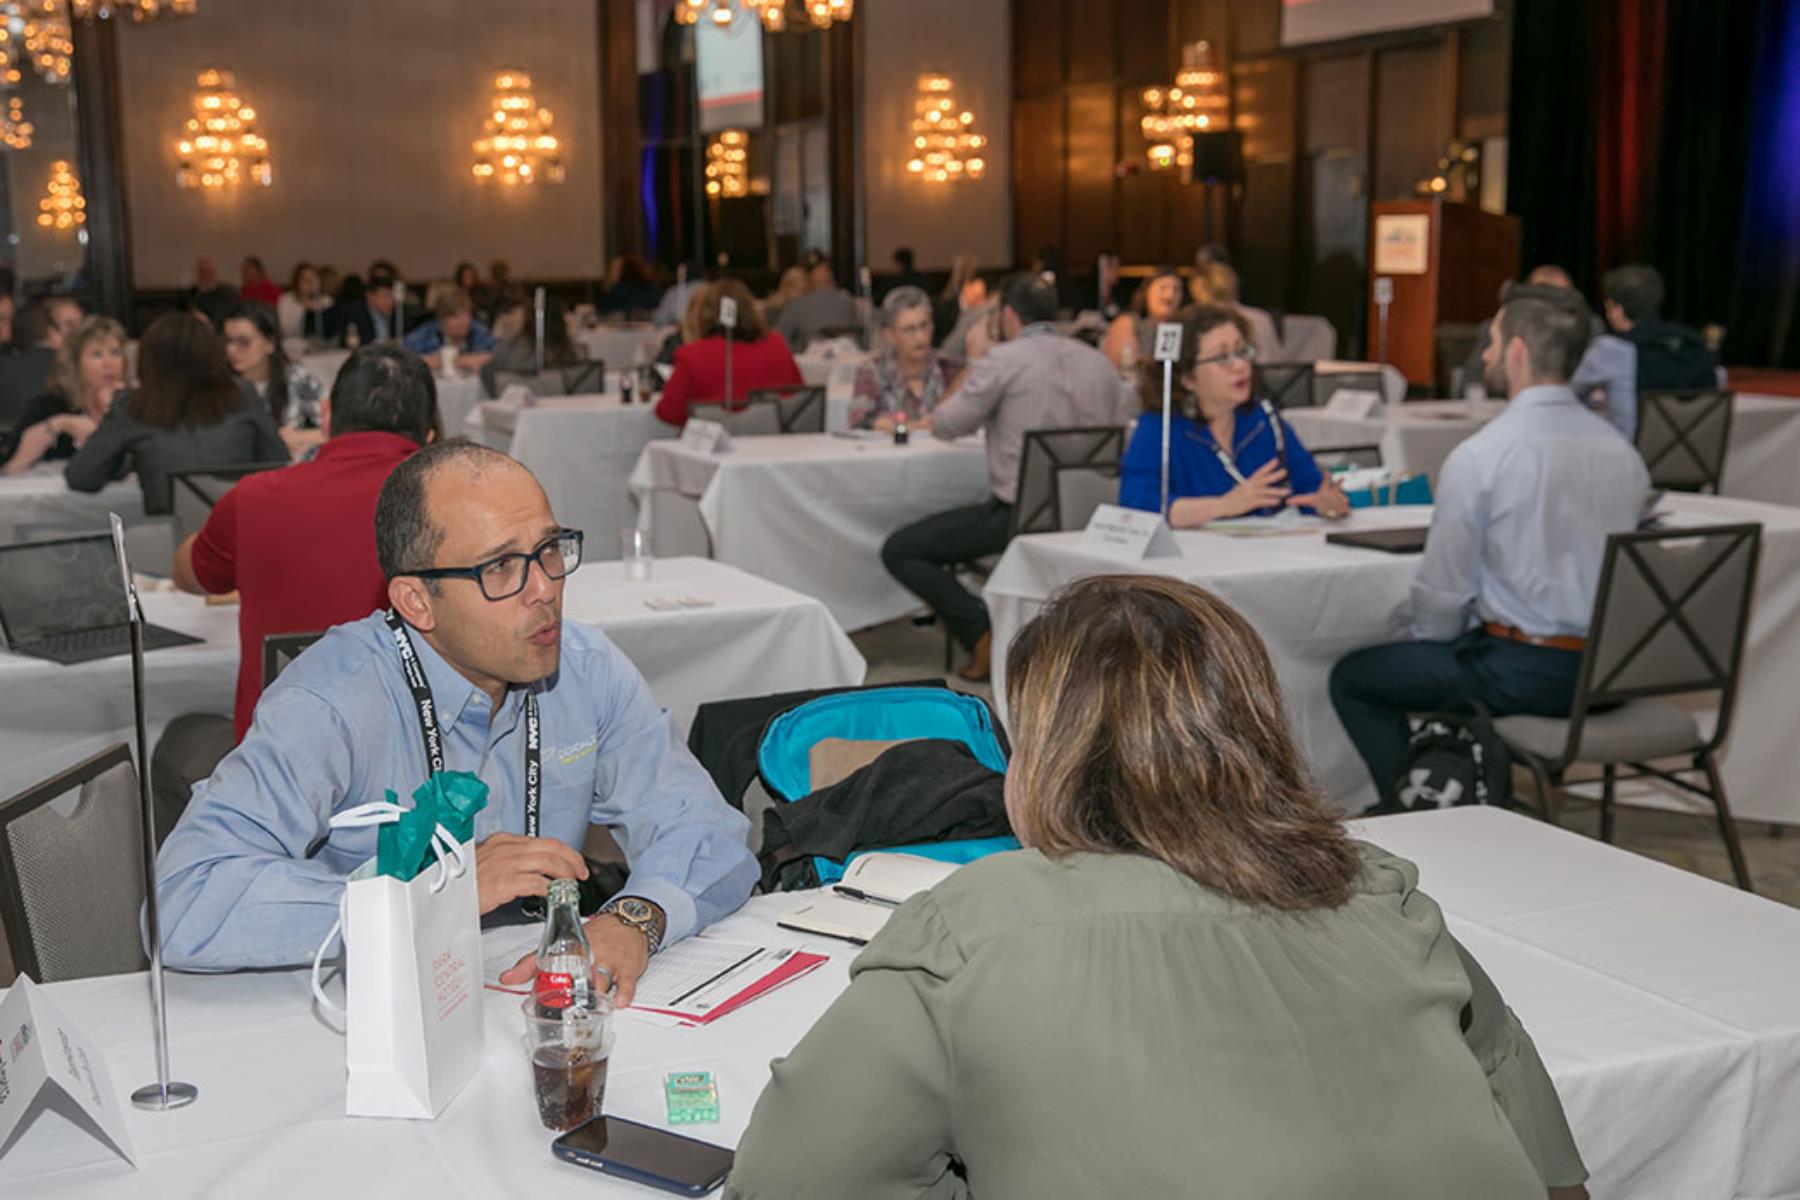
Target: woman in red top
x=759 y=357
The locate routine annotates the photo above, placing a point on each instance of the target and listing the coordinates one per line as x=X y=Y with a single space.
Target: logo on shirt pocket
x=576 y=752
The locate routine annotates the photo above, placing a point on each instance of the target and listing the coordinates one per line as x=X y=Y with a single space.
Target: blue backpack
x=881 y=714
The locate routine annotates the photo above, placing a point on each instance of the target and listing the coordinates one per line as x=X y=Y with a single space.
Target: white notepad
x=872 y=887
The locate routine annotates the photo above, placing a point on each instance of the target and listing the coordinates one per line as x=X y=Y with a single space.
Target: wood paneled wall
x=1325 y=131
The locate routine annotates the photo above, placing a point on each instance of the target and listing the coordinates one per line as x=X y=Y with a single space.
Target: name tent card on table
x=705 y=437
x=48 y=1065
x=1128 y=533
x=1354 y=402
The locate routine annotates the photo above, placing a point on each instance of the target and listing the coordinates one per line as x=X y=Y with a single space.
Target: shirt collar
x=366 y=444
x=451 y=691
x=1544 y=395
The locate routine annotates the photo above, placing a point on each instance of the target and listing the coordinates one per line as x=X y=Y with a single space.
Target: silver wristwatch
x=640 y=915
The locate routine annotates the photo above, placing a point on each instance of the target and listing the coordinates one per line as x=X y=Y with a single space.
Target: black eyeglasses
x=504 y=576
x=1241 y=354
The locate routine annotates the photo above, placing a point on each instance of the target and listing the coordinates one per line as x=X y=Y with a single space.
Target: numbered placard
x=727 y=312
x=1168 y=343
x=1384 y=290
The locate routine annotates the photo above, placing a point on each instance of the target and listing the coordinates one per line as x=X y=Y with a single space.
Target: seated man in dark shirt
x=298 y=545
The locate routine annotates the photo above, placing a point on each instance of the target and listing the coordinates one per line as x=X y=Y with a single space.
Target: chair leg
x=1727 y=823
x=1546 y=789
x=1610 y=779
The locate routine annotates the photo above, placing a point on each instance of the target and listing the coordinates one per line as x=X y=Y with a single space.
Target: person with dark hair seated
x=1505 y=590
x=1132 y=334
x=824 y=306
x=1230 y=454
x=370 y=311
x=1190 y=982
x=1035 y=379
x=253 y=346
x=187 y=413
x=474 y=562
x=760 y=356
x=257 y=287
x=515 y=341
x=1643 y=352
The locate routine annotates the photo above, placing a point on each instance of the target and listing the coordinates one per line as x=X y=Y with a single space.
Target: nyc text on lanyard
x=426 y=709
x=1225 y=459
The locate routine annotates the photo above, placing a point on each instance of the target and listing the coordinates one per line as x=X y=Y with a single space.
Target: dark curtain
x=1664 y=131
x=1765 y=318
x=1551 y=184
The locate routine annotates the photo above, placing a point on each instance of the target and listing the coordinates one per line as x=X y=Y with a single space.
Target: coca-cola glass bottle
x=565 y=965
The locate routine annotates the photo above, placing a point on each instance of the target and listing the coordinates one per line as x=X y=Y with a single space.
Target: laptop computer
x=1389 y=541
x=64 y=600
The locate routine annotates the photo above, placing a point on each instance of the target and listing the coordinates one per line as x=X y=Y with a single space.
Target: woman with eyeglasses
x=1230 y=454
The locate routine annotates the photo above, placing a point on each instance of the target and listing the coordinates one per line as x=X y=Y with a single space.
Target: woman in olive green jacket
x=1192 y=983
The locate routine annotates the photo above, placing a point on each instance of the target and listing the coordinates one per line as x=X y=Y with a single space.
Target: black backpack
x=1453 y=759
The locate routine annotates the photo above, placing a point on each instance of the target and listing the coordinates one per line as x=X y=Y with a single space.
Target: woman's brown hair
x=65 y=372
x=1146 y=719
x=750 y=326
x=1196 y=323
x=184 y=378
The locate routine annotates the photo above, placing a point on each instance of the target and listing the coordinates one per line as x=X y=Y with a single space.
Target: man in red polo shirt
x=298 y=546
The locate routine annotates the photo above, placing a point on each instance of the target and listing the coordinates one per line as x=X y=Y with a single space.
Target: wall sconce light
x=945 y=147
x=516 y=145
x=220 y=146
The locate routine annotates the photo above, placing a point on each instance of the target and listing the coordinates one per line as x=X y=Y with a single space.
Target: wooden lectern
x=1447 y=263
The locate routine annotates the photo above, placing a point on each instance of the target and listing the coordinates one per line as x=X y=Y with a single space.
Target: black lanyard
x=426 y=709
x=1225 y=459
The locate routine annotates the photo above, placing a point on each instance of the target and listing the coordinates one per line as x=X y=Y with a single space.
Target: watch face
x=634 y=909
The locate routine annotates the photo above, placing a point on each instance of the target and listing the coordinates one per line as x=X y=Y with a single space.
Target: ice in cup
x=568 y=1053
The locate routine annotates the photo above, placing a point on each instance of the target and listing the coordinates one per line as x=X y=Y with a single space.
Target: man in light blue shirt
x=1505 y=590
x=252 y=874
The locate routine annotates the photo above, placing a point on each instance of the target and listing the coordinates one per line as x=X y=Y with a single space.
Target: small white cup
x=447 y=361
x=634 y=550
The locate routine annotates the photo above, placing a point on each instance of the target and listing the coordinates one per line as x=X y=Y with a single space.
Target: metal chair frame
x=279 y=646
x=1291 y=387
x=1669 y=411
x=1593 y=691
x=1103 y=453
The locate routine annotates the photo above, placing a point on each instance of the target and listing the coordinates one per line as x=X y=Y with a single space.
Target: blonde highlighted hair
x=65 y=372
x=1147 y=719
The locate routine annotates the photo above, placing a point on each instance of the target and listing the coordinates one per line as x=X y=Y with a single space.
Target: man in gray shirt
x=1035 y=379
x=823 y=306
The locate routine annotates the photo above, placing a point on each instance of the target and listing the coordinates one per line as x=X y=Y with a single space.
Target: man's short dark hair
x=384 y=389
x=1031 y=297
x=1554 y=324
x=406 y=538
x=32 y=325
x=903 y=257
x=1637 y=288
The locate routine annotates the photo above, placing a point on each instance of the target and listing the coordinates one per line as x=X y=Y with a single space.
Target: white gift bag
x=412 y=973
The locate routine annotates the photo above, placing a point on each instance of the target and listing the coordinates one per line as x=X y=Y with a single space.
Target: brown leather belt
x=1514 y=634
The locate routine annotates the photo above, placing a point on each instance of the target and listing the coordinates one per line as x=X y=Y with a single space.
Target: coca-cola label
x=554 y=989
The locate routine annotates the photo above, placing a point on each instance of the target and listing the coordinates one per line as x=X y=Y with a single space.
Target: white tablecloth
x=1662 y=1005
x=754 y=639
x=812 y=510
x=1313 y=603
x=619 y=346
x=1418 y=436
x=39 y=504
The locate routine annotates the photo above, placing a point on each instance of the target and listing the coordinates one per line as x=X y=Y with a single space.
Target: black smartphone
x=646 y=1155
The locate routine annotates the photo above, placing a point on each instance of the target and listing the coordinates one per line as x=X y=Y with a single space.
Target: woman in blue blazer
x=1230 y=455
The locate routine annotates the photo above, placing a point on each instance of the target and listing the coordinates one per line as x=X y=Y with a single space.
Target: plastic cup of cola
x=569 y=1050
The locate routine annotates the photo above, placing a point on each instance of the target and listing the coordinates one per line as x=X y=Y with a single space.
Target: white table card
x=1356 y=403
x=705 y=437
x=1128 y=533
x=46 y=1064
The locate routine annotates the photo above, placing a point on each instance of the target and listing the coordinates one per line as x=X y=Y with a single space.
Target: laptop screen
x=51 y=588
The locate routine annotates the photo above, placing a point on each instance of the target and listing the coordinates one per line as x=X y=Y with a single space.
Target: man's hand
x=510 y=865
x=1265 y=487
x=617 y=949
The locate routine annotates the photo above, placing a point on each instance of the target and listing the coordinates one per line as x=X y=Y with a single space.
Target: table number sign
x=1128 y=533
x=1167 y=347
x=48 y=1064
x=727 y=312
x=705 y=437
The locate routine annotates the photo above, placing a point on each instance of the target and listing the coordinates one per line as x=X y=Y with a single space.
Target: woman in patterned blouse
x=908 y=377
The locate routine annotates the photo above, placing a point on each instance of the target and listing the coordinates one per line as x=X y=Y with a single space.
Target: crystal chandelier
x=220 y=146
x=10 y=74
x=44 y=27
x=516 y=145
x=944 y=147
x=775 y=15
x=47 y=37
x=727 y=164
x=1197 y=103
x=62 y=206
x=15 y=130
x=140 y=10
